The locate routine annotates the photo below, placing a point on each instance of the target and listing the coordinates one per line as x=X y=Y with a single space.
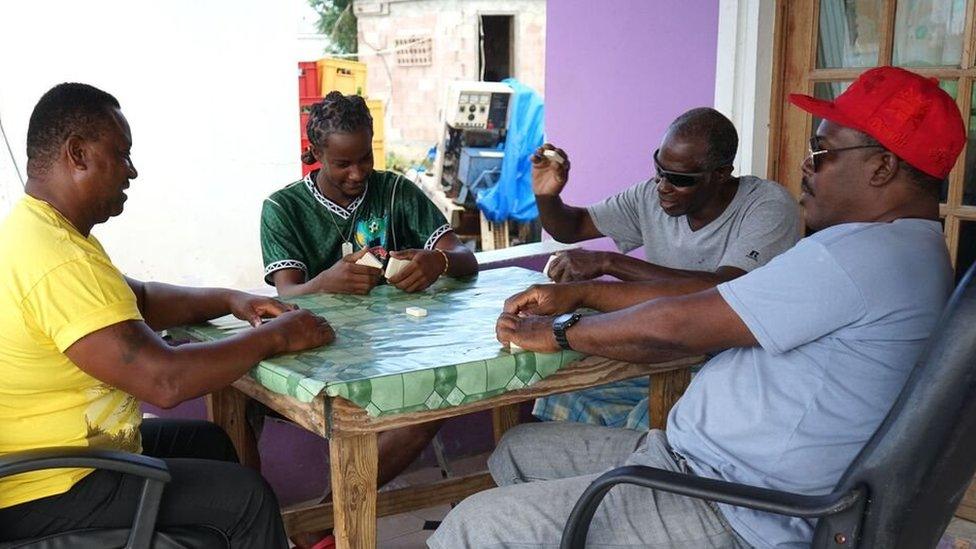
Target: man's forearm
x=631 y=269
x=206 y=367
x=560 y=220
x=166 y=305
x=663 y=329
x=166 y=376
x=638 y=334
x=613 y=296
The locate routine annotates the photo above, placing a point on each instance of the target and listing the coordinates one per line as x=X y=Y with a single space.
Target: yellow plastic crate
x=348 y=77
x=375 y=107
x=379 y=154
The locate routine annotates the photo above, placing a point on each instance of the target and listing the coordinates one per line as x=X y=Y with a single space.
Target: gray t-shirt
x=840 y=319
x=761 y=222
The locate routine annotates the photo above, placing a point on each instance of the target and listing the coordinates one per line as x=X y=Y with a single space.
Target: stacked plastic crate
x=317 y=78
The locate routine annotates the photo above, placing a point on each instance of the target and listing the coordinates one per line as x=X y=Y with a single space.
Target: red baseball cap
x=907 y=113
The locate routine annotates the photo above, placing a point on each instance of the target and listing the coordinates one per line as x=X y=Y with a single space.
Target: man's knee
x=505 y=463
x=468 y=524
x=221 y=447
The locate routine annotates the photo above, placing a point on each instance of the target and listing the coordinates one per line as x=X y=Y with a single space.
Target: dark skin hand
x=345 y=277
x=564 y=222
x=658 y=330
x=426 y=266
x=577 y=265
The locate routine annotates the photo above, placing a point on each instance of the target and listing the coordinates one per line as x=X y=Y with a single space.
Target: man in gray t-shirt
x=813 y=348
x=693 y=218
x=697 y=224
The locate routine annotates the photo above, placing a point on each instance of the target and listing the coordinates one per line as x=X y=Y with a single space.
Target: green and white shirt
x=302 y=229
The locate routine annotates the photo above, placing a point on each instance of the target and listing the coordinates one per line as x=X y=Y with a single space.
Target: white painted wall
x=743 y=77
x=210 y=91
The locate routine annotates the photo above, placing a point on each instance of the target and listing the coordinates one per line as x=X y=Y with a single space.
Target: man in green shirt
x=314 y=230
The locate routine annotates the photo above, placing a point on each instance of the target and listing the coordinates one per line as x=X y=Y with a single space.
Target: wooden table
x=388 y=370
x=352 y=439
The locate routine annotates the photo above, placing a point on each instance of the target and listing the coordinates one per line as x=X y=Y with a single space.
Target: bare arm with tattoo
x=165 y=305
x=133 y=358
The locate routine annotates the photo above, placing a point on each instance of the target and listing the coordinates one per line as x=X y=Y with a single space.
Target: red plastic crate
x=305 y=103
x=308 y=79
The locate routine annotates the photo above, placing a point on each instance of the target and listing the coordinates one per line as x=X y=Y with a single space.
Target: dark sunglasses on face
x=817 y=153
x=678 y=179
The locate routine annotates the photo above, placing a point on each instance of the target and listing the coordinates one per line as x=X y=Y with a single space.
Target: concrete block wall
x=414 y=94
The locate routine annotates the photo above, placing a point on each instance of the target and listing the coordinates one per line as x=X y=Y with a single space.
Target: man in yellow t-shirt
x=79 y=348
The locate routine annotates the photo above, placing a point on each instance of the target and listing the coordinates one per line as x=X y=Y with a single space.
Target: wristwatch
x=562 y=323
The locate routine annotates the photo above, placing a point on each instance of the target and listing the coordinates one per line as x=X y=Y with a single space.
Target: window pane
x=848 y=33
x=969 y=191
x=952 y=88
x=967 y=247
x=929 y=32
x=828 y=91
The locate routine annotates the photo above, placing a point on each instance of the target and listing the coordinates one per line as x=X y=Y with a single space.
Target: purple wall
x=617 y=73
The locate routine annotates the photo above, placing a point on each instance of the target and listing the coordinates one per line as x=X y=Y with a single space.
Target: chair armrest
x=741 y=495
x=153 y=470
x=70 y=456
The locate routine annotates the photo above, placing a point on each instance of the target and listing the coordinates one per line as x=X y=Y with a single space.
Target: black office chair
x=903 y=487
x=142 y=534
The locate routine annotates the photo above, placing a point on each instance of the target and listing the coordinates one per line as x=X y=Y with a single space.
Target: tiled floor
x=407 y=530
x=961 y=534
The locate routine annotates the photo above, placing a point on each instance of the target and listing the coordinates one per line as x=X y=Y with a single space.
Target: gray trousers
x=542 y=469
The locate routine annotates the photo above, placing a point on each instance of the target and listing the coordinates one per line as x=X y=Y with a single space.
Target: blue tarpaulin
x=512 y=198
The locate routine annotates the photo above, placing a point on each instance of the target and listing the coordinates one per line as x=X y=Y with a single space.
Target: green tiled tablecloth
x=389 y=362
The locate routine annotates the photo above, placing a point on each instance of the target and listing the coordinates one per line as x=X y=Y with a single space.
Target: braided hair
x=336 y=113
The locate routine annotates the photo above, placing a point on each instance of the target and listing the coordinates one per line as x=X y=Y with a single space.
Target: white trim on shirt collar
x=344 y=213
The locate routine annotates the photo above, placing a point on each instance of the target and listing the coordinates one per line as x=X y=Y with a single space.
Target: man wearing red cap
x=813 y=348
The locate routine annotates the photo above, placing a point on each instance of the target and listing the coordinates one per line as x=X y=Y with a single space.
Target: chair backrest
x=921 y=459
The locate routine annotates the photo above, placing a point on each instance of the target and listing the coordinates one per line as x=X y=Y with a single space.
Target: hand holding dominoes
x=545 y=299
x=349 y=276
x=550 y=170
x=415 y=270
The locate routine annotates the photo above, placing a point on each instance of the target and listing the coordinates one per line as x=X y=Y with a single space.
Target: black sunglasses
x=679 y=179
x=817 y=153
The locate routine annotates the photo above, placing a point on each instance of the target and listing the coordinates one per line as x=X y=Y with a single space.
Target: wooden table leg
x=504 y=418
x=353 y=461
x=227 y=408
x=666 y=389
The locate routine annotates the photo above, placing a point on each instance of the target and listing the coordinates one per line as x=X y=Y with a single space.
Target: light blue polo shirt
x=841 y=319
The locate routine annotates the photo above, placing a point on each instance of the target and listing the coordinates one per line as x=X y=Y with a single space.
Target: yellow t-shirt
x=56 y=286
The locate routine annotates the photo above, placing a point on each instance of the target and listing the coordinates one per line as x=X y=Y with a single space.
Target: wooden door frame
x=794 y=62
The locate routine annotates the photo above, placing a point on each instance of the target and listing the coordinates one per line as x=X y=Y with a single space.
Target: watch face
x=566 y=320
x=559 y=326
x=561 y=320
